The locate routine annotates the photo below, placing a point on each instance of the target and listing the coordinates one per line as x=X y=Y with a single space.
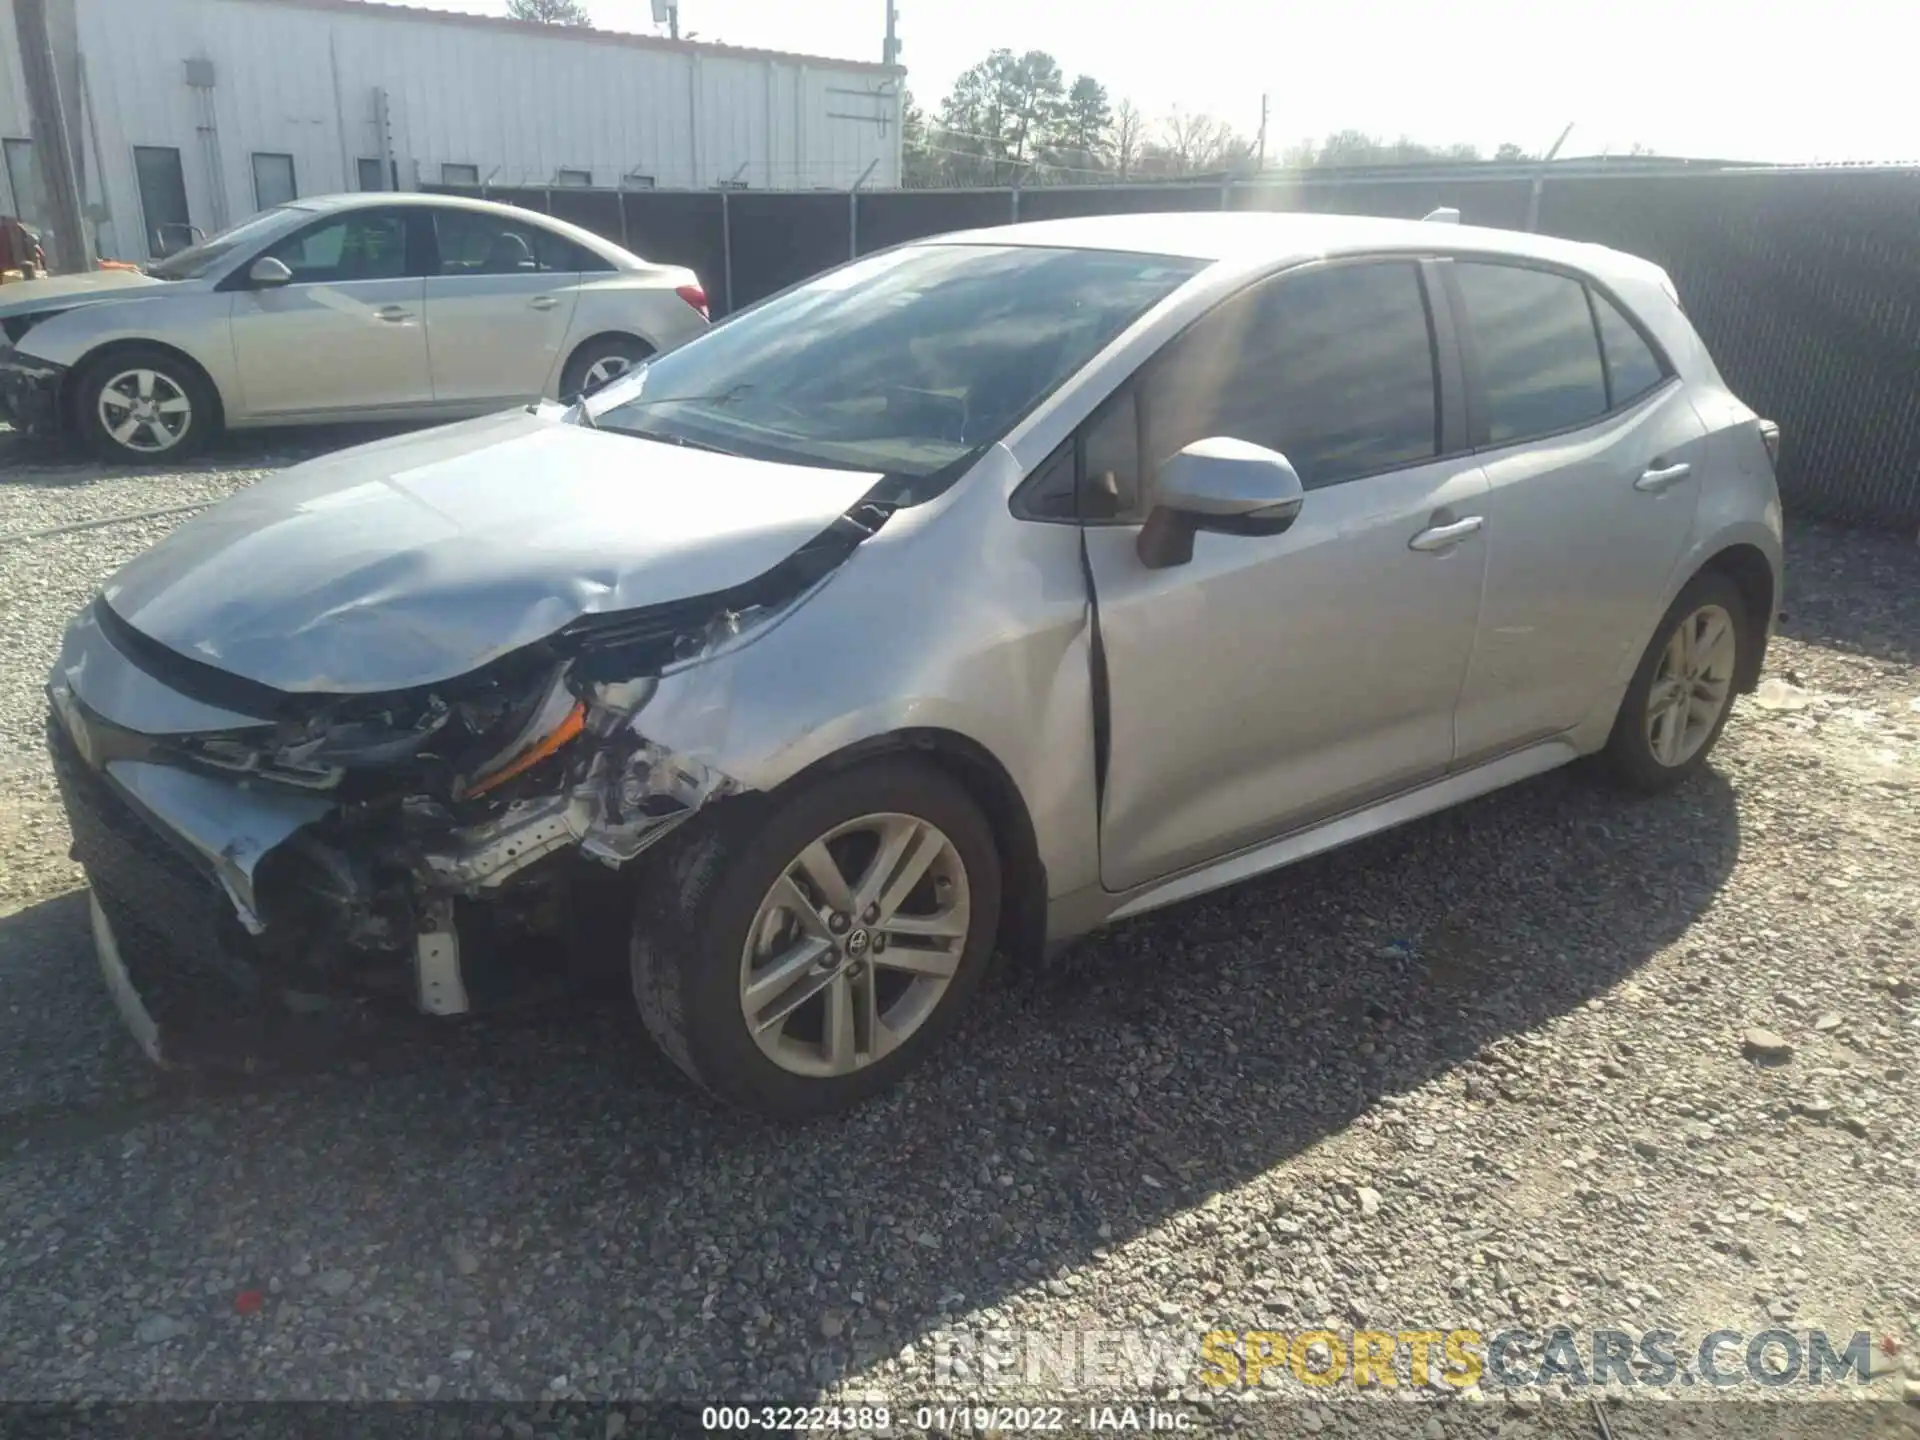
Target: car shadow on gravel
x=56 y=464
x=540 y=1191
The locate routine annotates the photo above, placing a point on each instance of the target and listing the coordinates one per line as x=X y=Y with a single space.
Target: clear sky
x=1739 y=79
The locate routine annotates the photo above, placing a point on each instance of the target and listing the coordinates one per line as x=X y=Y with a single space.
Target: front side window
x=475 y=242
x=1539 y=361
x=360 y=245
x=1333 y=367
x=906 y=362
x=1632 y=367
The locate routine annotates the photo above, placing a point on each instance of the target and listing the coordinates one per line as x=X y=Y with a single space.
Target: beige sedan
x=343 y=308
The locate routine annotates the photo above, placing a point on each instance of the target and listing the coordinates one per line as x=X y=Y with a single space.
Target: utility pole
x=1261 y=164
x=52 y=153
x=890 y=51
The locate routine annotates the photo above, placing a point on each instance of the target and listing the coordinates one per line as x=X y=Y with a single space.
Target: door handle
x=1445 y=537
x=394 y=313
x=543 y=302
x=1658 y=477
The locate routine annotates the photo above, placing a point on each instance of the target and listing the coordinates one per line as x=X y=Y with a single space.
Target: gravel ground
x=1492 y=1070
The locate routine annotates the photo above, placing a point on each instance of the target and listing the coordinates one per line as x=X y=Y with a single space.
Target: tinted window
x=905 y=362
x=360 y=245
x=1632 y=367
x=1538 y=358
x=1333 y=367
x=473 y=242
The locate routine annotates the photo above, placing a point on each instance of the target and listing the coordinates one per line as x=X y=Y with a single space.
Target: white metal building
x=196 y=113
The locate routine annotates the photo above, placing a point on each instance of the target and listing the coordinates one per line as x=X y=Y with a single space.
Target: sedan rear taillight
x=696 y=297
x=1770 y=437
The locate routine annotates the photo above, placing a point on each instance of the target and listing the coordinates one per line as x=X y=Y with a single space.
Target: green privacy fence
x=1805 y=283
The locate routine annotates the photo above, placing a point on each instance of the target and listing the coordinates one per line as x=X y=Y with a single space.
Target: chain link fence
x=1805 y=283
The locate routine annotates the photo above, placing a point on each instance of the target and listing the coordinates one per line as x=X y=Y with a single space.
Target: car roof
x=1278 y=238
x=354 y=200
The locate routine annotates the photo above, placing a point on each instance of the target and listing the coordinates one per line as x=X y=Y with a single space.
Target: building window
x=163 y=199
x=273 y=181
x=636 y=181
x=23 y=178
x=460 y=175
x=573 y=177
x=372 y=174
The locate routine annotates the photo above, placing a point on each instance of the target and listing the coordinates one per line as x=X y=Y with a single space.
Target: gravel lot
x=1489 y=1071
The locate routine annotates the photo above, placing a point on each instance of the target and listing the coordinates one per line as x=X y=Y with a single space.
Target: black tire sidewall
x=574 y=377
x=713 y=1041
x=201 y=428
x=1628 y=753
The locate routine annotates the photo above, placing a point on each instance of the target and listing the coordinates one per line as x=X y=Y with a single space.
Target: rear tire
x=600 y=362
x=145 y=406
x=1682 y=692
x=741 y=987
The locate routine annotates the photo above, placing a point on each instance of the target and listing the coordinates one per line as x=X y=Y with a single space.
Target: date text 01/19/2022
x=944 y=1419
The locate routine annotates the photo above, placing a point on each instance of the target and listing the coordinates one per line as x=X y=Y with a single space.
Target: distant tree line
x=1016 y=118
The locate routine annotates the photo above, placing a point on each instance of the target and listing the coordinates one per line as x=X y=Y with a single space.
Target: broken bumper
x=30 y=392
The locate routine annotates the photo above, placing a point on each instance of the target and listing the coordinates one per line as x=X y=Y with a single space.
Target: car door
x=499 y=302
x=1592 y=454
x=347 y=332
x=1270 y=682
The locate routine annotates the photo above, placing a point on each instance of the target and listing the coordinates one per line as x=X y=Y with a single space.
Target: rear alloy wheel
x=798 y=956
x=601 y=362
x=1682 y=692
x=145 y=407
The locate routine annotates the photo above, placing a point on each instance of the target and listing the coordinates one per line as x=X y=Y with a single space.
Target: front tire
x=145 y=406
x=1682 y=691
x=798 y=955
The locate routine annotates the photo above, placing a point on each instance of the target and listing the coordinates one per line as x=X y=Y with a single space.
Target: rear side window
x=1332 y=367
x=1632 y=367
x=477 y=242
x=1534 y=338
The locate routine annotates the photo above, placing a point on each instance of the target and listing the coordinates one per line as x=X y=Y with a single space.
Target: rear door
x=1593 y=457
x=346 y=334
x=500 y=299
x=1273 y=681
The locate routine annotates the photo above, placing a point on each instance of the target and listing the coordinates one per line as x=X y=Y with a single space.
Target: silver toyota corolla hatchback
x=971 y=595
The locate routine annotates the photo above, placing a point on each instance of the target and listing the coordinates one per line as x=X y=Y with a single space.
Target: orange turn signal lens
x=571 y=725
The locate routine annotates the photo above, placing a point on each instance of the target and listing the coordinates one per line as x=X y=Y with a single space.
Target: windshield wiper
x=719 y=397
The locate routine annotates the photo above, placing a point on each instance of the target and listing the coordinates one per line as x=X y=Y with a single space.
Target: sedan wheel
x=607 y=367
x=143 y=405
x=855 y=945
x=146 y=411
x=796 y=953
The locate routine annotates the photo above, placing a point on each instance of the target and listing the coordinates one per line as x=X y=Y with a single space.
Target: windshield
x=194 y=261
x=903 y=363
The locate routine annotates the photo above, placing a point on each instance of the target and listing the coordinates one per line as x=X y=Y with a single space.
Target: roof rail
x=1445 y=215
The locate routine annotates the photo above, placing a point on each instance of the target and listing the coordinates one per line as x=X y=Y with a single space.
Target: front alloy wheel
x=855 y=944
x=145 y=405
x=145 y=411
x=798 y=952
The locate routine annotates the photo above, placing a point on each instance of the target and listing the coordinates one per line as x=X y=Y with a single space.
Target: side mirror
x=1228 y=486
x=267 y=273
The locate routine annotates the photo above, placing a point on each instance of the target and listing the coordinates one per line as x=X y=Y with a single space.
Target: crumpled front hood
x=420 y=558
x=60 y=292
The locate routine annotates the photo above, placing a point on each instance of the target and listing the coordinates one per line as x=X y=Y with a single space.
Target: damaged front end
x=381 y=844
